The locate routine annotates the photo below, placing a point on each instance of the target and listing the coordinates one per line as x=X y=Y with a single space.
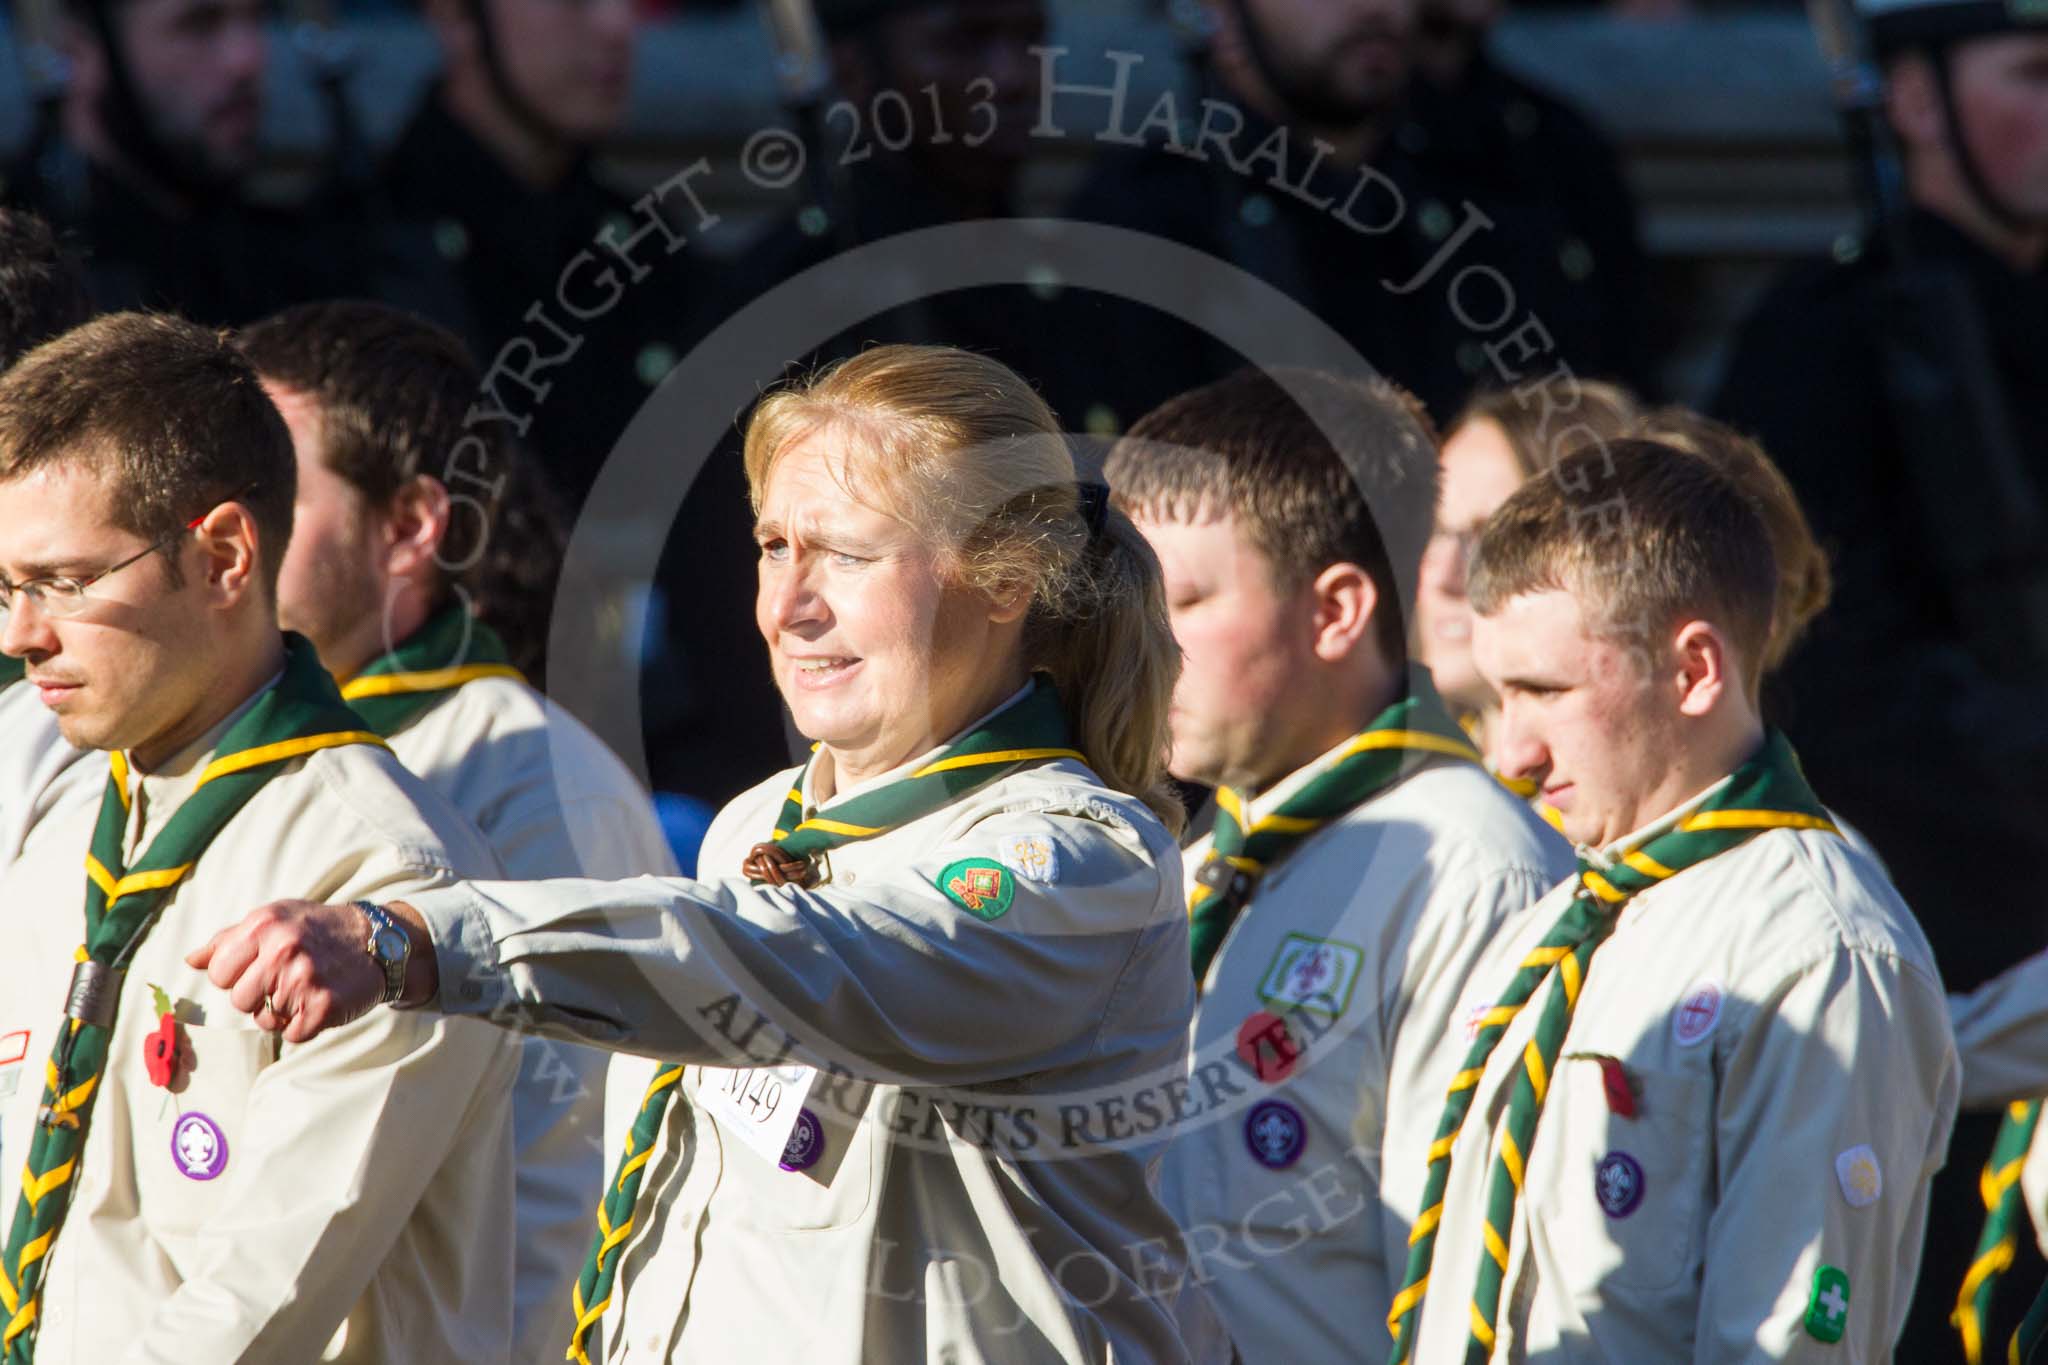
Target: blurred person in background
x=1566 y=231
x=499 y=163
x=1286 y=75
x=1924 y=681
x=149 y=161
x=579 y=299
x=42 y=295
x=376 y=403
x=954 y=84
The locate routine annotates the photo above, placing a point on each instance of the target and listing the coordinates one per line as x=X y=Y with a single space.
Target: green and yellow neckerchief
x=302 y=714
x=1033 y=730
x=1768 y=792
x=2003 y=1215
x=1403 y=737
x=451 y=649
x=2030 y=1342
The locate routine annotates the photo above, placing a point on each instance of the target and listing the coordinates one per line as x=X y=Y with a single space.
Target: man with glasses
x=192 y=1189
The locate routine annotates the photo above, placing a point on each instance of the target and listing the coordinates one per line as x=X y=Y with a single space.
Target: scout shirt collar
x=1418 y=684
x=159 y=792
x=809 y=787
x=1609 y=854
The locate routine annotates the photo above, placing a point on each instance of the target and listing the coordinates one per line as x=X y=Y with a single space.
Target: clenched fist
x=302 y=968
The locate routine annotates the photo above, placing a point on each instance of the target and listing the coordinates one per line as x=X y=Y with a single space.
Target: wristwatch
x=390 y=947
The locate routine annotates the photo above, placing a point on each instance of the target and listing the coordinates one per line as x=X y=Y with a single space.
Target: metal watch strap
x=394 y=972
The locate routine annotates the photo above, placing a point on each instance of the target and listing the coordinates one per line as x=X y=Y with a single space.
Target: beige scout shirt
x=554 y=802
x=1297 y=1197
x=2002 y=1035
x=40 y=773
x=349 y=1199
x=1011 y=1219
x=1781 y=1019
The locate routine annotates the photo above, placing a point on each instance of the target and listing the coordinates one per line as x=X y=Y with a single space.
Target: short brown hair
x=1319 y=469
x=1541 y=434
x=1805 y=582
x=1644 y=535
x=395 y=393
x=169 y=413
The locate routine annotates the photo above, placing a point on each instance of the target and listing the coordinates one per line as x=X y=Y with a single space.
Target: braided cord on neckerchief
x=593 y=1291
x=1033 y=730
x=2003 y=1211
x=303 y=714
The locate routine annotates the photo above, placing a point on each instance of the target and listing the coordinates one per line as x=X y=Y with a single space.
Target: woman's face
x=878 y=656
x=1479 y=472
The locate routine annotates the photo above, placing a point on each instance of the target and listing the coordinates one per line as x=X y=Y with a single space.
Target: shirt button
x=848 y=878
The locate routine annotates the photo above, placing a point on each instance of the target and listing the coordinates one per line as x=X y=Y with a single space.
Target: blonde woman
x=911 y=1013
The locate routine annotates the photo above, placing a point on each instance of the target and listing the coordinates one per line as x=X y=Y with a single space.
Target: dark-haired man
x=42 y=293
x=195 y=1191
x=1711 y=1074
x=376 y=403
x=577 y=296
x=147 y=163
x=1361 y=856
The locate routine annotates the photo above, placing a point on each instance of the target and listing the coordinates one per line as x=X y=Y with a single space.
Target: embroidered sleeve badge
x=1861 y=1177
x=1032 y=857
x=1827 y=1311
x=979 y=886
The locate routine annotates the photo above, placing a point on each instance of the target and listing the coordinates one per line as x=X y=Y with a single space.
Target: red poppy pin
x=160 y=1045
x=1624 y=1092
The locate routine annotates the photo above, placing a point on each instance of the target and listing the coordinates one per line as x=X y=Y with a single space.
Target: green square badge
x=1827 y=1312
x=1313 y=974
x=980 y=886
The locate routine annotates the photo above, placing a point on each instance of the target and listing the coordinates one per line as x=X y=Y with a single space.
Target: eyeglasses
x=65 y=597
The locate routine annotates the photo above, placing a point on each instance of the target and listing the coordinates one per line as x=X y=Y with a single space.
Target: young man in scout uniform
x=375 y=401
x=192 y=1189
x=1361 y=856
x=1712 y=1073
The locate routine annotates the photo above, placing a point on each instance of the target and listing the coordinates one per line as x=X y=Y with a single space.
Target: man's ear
x=415 y=523
x=231 y=548
x=853 y=67
x=1705 y=668
x=1346 y=600
x=85 y=60
x=454 y=26
x=1912 y=99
